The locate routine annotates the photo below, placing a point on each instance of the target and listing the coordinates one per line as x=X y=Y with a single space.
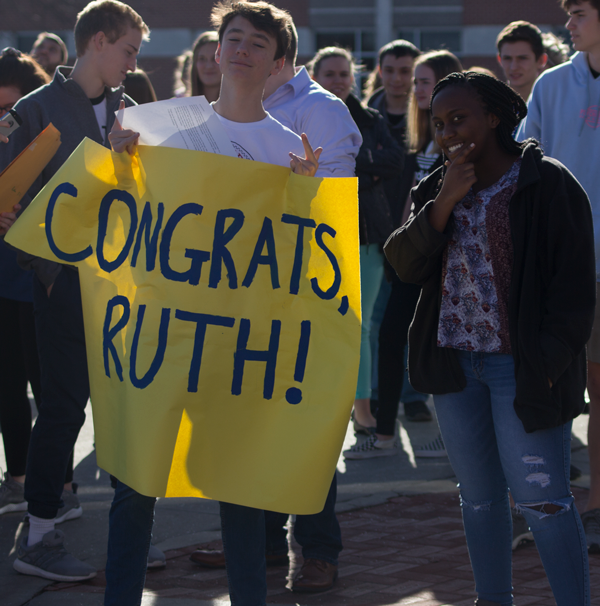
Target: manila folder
x=20 y=174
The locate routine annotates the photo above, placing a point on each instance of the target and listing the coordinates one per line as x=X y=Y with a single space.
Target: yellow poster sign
x=221 y=303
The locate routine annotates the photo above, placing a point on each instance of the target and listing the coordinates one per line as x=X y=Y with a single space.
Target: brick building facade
x=466 y=27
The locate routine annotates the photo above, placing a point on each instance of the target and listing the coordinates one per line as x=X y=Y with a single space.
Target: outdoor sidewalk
x=401 y=528
x=410 y=550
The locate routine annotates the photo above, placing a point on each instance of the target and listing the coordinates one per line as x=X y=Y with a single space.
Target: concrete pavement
x=381 y=485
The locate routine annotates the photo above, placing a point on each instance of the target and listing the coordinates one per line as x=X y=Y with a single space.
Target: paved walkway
x=401 y=529
x=410 y=550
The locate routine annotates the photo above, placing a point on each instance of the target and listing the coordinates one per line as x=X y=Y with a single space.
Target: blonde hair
x=420 y=131
x=108 y=16
x=372 y=84
x=193 y=84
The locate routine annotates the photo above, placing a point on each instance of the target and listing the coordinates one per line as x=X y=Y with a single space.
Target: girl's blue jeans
x=491 y=453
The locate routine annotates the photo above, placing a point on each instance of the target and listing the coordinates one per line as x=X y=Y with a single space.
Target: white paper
x=184 y=123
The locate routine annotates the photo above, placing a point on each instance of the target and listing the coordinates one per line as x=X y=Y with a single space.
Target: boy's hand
x=122 y=140
x=7 y=219
x=306 y=166
x=3 y=124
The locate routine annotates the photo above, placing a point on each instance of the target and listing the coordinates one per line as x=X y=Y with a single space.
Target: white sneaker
x=432 y=450
x=71 y=508
x=373 y=447
x=156 y=558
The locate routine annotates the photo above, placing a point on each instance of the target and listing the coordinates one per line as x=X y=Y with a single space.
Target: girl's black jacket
x=551 y=300
x=379 y=158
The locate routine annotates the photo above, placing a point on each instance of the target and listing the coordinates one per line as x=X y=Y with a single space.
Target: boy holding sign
x=80 y=103
x=253 y=40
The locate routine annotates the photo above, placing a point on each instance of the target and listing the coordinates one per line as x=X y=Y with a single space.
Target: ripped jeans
x=491 y=453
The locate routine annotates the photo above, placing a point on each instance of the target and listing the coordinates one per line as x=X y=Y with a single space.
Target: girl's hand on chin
x=459 y=177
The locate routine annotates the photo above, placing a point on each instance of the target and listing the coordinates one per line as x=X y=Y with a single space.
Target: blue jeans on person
x=319 y=534
x=130 y=530
x=371 y=273
x=130 y=524
x=490 y=453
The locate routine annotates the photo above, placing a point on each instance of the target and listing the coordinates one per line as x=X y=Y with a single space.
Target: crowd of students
x=477 y=265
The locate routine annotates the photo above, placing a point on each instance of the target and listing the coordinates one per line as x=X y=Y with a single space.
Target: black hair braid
x=498 y=98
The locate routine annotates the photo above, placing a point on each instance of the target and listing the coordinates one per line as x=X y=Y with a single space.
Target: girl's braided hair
x=498 y=99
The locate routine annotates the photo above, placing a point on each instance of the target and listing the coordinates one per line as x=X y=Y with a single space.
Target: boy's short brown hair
x=109 y=16
x=567 y=4
x=263 y=16
x=522 y=31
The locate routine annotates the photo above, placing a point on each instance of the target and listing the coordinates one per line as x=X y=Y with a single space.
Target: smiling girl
x=501 y=241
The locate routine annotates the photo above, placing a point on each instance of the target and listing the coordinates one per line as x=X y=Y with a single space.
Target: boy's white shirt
x=266 y=141
x=100 y=111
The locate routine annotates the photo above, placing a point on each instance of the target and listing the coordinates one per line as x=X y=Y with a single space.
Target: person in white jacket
x=564 y=116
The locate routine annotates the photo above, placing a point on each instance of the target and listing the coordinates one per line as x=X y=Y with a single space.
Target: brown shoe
x=214 y=558
x=211 y=558
x=315 y=576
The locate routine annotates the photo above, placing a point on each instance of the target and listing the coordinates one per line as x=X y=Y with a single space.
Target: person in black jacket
x=380 y=157
x=501 y=242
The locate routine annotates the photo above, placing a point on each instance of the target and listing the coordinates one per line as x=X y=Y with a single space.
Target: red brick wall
x=496 y=12
x=61 y=14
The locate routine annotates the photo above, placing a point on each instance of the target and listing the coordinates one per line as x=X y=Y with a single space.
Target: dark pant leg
x=15 y=411
x=243 y=532
x=129 y=533
x=30 y=349
x=319 y=535
x=276 y=533
x=65 y=391
x=392 y=339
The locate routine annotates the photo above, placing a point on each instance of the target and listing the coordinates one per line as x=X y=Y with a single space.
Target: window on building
x=433 y=39
x=361 y=42
x=25 y=42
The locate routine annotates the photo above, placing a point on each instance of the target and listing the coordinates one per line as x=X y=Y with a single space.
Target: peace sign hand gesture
x=306 y=166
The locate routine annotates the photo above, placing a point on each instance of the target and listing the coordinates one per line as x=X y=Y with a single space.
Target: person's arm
x=415 y=249
x=3 y=124
x=35 y=120
x=568 y=270
x=8 y=218
x=331 y=127
x=387 y=160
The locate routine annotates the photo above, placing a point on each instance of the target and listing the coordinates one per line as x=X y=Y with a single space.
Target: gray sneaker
x=50 y=560
x=71 y=508
x=11 y=495
x=591 y=525
x=521 y=533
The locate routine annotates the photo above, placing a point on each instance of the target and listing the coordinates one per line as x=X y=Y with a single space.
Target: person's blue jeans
x=130 y=524
x=371 y=273
x=319 y=534
x=243 y=533
x=130 y=530
x=491 y=453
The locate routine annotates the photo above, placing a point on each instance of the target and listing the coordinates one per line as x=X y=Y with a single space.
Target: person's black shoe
x=417 y=411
